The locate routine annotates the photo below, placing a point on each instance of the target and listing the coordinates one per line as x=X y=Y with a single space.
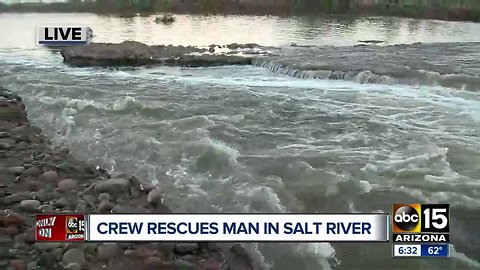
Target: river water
x=395 y=125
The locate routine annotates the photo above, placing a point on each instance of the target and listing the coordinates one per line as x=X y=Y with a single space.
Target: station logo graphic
x=74 y=228
x=421 y=222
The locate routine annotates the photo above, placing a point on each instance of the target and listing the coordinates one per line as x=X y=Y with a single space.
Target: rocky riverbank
x=133 y=53
x=38 y=178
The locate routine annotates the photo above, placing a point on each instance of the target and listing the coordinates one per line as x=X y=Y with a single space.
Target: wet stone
x=18 y=265
x=212 y=264
x=166 y=247
x=40 y=195
x=141 y=185
x=20 y=245
x=25 y=137
x=122 y=208
x=44 y=246
x=67 y=185
x=131 y=253
x=5 y=239
x=125 y=245
x=32 y=265
x=16 y=198
x=106 y=251
x=27 y=165
x=46 y=260
x=62 y=151
x=74 y=245
x=72 y=266
x=112 y=186
x=155 y=196
x=6 y=143
x=183 y=265
x=5 y=254
x=58 y=253
x=105 y=206
x=116 y=174
x=65 y=167
x=8 y=217
x=90 y=200
x=22 y=144
x=104 y=197
x=189 y=258
x=184 y=248
x=90 y=169
x=16 y=170
x=30 y=205
x=73 y=255
x=32 y=185
x=44 y=208
x=19 y=130
x=90 y=247
x=81 y=207
x=4 y=134
x=29 y=236
x=10 y=230
x=32 y=171
x=61 y=203
x=134 y=192
x=50 y=176
x=154 y=263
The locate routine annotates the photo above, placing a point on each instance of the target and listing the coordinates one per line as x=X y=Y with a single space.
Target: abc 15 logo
x=421 y=218
x=74 y=225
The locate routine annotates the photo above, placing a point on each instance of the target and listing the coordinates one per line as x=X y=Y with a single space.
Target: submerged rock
x=30 y=205
x=74 y=255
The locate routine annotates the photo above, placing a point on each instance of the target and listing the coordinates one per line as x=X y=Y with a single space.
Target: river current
x=324 y=126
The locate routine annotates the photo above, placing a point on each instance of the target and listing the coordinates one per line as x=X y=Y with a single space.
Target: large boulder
x=126 y=53
x=12 y=109
x=112 y=186
x=131 y=53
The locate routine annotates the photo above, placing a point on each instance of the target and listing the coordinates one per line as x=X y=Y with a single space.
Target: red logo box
x=60 y=228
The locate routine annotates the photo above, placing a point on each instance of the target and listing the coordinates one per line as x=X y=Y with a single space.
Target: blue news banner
x=422 y=250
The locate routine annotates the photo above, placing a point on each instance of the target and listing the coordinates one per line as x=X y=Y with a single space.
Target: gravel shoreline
x=38 y=178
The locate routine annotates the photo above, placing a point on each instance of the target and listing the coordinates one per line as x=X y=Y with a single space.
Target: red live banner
x=60 y=228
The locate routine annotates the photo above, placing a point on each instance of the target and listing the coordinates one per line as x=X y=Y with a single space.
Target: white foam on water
x=122 y=103
x=78 y=104
x=245 y=194
x=195 y=122
x=231 y=152
x=253 y=195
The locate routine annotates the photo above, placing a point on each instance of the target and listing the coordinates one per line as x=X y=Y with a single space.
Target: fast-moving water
x=277 y=137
